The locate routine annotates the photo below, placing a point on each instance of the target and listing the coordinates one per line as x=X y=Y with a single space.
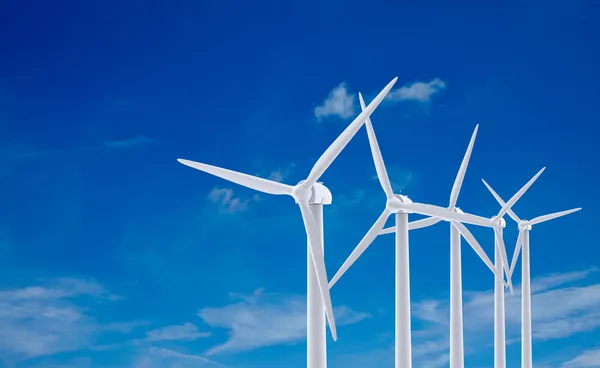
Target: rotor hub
x=524 y=225
x=317 y=194
x=403 y=198
x=458 y=210
x=499 y=222
x=394 y=204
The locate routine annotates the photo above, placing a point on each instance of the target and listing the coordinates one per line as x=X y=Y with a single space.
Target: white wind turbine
x=456 y=314
x=310 y=196
x=501 y=263
x=523 y=240
x=401 y=206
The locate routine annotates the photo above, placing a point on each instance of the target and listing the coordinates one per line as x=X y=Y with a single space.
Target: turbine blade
x=249 y=181
x=552 y=216
x=389 y=230
x=476 y=247
x=515 y=256
x=426 y=222
x=518 y=194
x=362 y=246
x=511 y=213
x=338 y=145
x=382 y=175
x=502 y=248
x=462 y=170
x=316 y=251
x=414 y=225
x=446 y=214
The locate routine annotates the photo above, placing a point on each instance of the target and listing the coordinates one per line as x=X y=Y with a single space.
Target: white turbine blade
x=463 y=169
x=338 y=145
x=515 y=256
x=511 y=213
x=518 y=195
x=477 y=248
x=414 y=225
x=552 y=216
x=426 y=222
x=362 y=246
x=446 y=214
x=382 y=175
x=389 y=230
x=316 y=251
x=502 y=248
x=249 y=181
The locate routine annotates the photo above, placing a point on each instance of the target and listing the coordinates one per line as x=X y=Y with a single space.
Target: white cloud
x=341 y=103
x=230 y=203
x=227 y=201
x=48 y=318
x=186 y=332
x=587 y=359
x=418 y=91
x=155 y=357
x=338 y=103
x=266 y=319
x=282 y=173
x=556 y=312
x=425 y=355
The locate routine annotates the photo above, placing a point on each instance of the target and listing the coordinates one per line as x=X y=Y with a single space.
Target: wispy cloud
x=338 y=103
x=342 y=103
x=157 y=357
x=587 y=359
x=425 y=355
x=51 y=317
x=185 y=332
x=266 y=319
x=417 y=91
x=558 y=310
x=229 y=203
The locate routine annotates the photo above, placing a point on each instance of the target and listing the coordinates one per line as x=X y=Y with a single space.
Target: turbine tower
x=401 y=206
x=310 y=195
x=523 y=240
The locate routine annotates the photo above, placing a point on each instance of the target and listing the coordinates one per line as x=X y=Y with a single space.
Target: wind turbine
x=456 y=314
x=499 y=313
x=401 y=206
x=523 y=240
x=310 y=195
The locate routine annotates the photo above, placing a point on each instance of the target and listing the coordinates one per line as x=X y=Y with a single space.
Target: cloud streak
x=45 y=319
x=229 y=203
x=343 y=104
x=266 y=319
x=417 y=91
x=558 y=310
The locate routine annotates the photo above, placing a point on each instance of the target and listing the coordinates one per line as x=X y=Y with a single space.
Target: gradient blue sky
x=114 y=255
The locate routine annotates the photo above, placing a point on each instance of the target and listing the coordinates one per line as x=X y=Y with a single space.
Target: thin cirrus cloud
x=185 y=332
x=343 y=104
x=560 y=309
x=266 y=319
x=588 y=359
x=157 y=357
x=229 y=203
x=48 y=318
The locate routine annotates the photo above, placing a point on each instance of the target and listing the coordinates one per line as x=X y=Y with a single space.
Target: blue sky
x=114 y=255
